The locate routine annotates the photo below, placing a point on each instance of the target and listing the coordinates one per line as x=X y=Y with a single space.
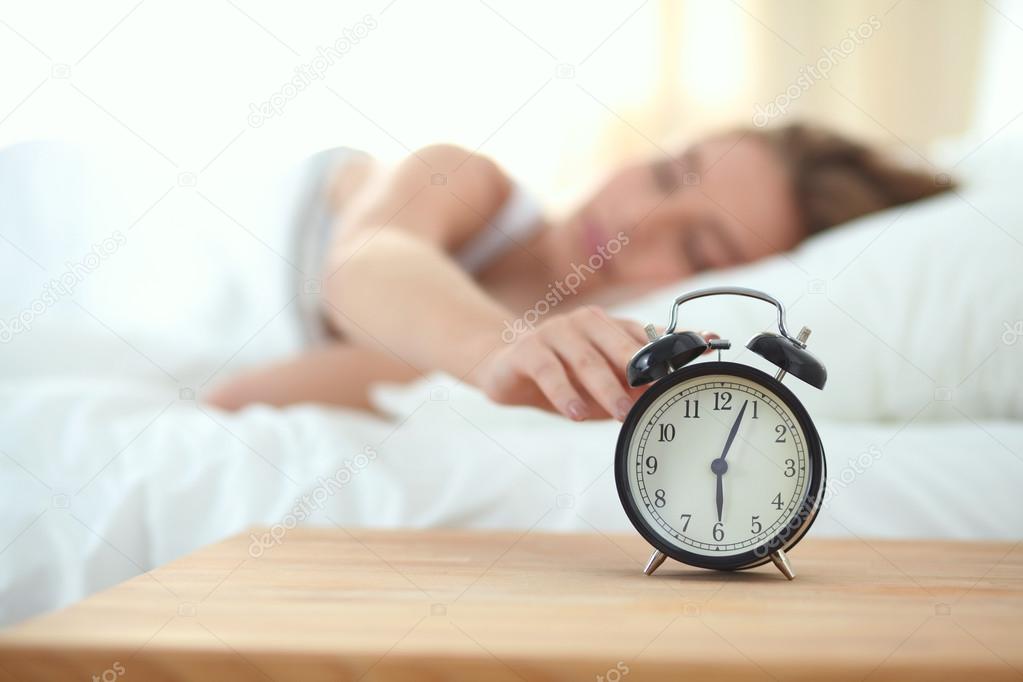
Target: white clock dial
x=678 y=458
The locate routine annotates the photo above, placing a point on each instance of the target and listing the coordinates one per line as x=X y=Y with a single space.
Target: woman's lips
x=593 y=237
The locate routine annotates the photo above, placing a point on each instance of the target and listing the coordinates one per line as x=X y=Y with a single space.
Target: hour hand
x=720 y=496
x=718 y=467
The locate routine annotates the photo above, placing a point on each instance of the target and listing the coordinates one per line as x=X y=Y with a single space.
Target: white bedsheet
x=103 y=479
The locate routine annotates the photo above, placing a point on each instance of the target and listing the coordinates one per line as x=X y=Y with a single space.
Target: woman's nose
x=655 y=259
x=659 y=238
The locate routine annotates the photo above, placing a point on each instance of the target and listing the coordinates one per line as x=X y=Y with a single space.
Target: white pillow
x=917 y=311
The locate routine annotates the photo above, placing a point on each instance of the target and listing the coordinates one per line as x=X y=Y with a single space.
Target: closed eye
x=707 y=246
x=692 y=253
x=666 y=175
x=670 y=172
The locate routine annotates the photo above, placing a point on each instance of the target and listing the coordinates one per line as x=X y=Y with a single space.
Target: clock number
x=755 y=415
x=790 y=468
x=755 y=525
x=651 y=465
x=723 y=400
x=780 y=430
x=777 y=501
x=719 y=531
x=695 y=414
x=659 y=498
x=686 y=518
x=667 y=433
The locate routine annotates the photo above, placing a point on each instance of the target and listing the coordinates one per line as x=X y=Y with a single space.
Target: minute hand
x=735 y=430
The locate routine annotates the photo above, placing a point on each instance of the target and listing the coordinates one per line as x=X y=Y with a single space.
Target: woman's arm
x=391 y=280
x=392 y=283
x=312 y=377
x=407 y=295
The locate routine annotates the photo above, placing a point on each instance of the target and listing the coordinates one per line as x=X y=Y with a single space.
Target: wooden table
x=372 y=605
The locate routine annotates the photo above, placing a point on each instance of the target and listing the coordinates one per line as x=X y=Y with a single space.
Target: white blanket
x=103 y=481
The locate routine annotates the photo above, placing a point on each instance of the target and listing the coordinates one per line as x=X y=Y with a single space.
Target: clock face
x=719 y=465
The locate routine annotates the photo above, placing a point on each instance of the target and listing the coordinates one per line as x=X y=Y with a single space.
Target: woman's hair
x=837 y=179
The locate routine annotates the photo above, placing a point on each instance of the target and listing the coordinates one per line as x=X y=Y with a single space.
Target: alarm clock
x=718 y=465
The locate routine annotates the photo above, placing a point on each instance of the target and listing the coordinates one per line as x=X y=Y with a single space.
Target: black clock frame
x=790 y=534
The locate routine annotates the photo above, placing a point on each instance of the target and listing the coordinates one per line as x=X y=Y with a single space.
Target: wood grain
x=458 y=605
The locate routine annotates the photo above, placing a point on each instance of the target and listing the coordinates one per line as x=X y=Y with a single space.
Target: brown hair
x=837 y=179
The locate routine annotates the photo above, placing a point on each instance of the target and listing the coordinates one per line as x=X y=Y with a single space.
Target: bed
x=110 y=466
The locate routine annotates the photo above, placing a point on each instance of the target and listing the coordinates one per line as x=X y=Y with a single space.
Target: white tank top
x=516 y=220
x=512 y=225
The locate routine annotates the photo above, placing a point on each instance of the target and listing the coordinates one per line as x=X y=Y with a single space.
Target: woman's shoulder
x=448 y=165
x=443 y=192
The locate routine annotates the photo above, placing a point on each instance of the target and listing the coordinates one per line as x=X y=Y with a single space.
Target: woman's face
x=722 y=202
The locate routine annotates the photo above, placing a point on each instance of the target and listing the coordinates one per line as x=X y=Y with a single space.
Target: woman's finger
x=617 y=339
x=545 y=369
x=636 y=330
x=592 y=370
x=708 y=337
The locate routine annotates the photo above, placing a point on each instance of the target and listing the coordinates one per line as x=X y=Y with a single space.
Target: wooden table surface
x=373 y=605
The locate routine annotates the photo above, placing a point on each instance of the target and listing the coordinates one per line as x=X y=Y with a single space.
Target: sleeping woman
x=445 y=263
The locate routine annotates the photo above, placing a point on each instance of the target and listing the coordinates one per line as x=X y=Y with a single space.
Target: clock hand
x=735 y=430
x=720 y=496
x=719 y=466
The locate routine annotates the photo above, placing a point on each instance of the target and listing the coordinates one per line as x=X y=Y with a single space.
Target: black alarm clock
x=718 y=465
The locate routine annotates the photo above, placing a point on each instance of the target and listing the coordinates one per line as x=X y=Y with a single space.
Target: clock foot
x=656 y=559
x=782 y=562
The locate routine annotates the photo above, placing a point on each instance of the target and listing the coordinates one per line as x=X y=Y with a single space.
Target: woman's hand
x=572 y=363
